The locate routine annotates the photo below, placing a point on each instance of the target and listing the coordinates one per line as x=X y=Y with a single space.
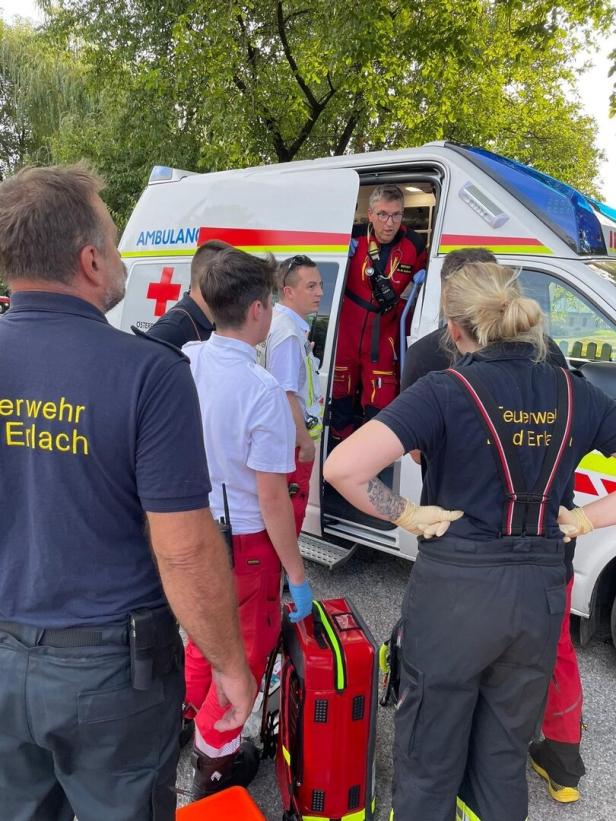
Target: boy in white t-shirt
x=250 y=438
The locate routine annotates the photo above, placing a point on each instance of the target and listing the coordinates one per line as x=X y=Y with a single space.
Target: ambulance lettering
x=168 y=236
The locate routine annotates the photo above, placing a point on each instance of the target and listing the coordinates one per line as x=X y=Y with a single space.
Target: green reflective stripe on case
x=336 y=648
x=286 y=755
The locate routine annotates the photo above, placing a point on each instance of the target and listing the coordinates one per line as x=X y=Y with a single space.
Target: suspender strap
x=524 y=510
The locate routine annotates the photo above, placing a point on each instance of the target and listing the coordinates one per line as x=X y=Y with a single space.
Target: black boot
x=215 y=774
x=561 y=767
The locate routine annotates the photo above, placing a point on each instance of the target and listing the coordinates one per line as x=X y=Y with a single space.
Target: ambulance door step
x=325 y=553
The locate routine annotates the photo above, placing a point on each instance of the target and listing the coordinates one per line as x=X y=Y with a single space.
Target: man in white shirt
x=249 y=437
x=289 y=357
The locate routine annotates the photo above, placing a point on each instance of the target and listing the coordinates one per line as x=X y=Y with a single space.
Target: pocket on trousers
x=341 y=382
x=124 y=730
x=409 y=705
x=556 y=599
x=117 y=703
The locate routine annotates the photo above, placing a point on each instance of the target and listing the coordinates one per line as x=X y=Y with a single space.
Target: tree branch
x=312 y=100
x=349 y=128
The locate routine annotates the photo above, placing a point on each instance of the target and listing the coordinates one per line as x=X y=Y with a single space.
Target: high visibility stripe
x=598 y=463
x=317 y=430
x=337 y=649
x=464 y=812
x=503 y=245
x=250 y=249
x=354 y=816
x=286 y=755
x=183 y=252
x=495 y=248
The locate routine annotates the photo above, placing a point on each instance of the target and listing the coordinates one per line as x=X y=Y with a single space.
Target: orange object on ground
x=233 y=804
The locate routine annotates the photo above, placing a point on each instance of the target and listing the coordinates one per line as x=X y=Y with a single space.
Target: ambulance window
x=329 y=273
x=581 y=331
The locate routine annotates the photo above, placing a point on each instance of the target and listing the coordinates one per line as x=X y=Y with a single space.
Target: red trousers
x=257 y=584
x=562 y=720
x=355 y=371
x=299 y=499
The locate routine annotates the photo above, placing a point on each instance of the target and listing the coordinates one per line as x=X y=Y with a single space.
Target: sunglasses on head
x=298 y=261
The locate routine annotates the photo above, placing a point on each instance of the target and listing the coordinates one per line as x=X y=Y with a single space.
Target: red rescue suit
x=367 y=352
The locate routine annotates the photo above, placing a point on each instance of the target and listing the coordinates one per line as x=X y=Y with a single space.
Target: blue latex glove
x=302 y=599
x=353 y=246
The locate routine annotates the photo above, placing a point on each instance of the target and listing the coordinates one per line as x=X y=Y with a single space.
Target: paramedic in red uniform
x=384 y=257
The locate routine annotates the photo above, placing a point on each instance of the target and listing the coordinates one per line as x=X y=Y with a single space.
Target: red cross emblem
x=163 y=291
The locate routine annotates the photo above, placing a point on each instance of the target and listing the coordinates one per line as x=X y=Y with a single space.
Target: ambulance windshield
x=563 y=209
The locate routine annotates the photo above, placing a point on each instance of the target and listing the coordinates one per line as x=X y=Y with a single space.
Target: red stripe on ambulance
x=466 y=239
x=263 y=236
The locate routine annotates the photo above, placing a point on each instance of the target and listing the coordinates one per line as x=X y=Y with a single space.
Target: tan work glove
x=426 y=520
x=573 y=523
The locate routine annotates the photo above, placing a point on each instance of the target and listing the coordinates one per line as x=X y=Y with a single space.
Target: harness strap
x=524 y=510
x=363 y=303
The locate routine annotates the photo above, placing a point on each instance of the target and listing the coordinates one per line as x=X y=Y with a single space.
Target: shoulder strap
x=194 y=324
x=524 y=511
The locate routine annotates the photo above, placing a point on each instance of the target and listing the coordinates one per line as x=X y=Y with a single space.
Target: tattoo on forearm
x=387 y=503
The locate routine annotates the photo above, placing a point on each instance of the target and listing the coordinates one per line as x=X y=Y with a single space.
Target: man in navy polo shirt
x=101 y=463
x=189 y=320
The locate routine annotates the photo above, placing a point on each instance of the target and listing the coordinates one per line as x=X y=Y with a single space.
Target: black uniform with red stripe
x=483 y=610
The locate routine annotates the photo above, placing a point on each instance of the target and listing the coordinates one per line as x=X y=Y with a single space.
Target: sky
x=594 y=90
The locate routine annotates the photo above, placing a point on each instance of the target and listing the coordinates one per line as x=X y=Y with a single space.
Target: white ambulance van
x=455 y=196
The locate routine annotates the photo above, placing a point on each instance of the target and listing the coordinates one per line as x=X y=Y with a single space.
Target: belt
x=95 y=636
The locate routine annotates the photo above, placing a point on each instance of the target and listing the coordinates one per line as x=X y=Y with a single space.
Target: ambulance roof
x=578 y=220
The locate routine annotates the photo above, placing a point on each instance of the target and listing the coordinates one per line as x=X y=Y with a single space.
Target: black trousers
x=77 y=739
x=481 y=622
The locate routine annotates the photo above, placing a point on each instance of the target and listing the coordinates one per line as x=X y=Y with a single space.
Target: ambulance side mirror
x=602 y=375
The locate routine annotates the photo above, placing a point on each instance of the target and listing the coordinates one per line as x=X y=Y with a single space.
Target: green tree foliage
x=40 y=84
x=225 y=84
x=613 y=74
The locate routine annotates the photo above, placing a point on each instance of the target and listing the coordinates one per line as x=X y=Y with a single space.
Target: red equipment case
x=327 y=732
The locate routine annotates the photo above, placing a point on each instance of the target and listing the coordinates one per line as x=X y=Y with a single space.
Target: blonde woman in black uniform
x=502 y=434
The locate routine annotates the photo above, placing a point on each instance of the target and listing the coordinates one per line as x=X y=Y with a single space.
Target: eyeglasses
x=298 y=261
x=383 y=216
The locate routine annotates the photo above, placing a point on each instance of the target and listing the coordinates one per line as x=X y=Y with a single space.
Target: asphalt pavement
x=375 y=583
